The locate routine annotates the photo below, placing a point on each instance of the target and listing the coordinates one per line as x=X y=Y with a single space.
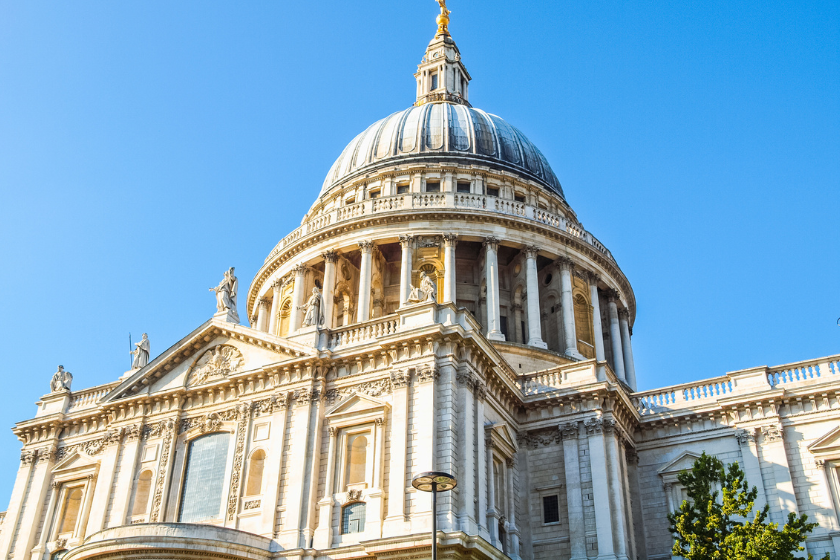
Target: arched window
x=141 y=493
x=356 y=458
x=204 y=478
x=255 y=473
x=353 y=518
x=285 y=317
x=70 y=510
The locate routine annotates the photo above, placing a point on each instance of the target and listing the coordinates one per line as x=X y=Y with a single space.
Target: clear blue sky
x=147 y=146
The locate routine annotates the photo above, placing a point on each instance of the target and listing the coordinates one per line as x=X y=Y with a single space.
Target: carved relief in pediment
x=215 y=364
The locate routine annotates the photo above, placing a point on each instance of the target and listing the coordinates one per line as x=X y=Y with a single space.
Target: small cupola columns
x=441 y=76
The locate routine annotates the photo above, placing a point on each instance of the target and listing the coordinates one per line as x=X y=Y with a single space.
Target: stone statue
x=427 y=291
x=314 y=308
x=427 y=285
x=141 y=353
x=226 y=296
x=61 y=380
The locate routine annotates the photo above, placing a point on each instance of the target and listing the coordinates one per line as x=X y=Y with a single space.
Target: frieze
x=252 y=504
x=370 y=388
x=539 y=438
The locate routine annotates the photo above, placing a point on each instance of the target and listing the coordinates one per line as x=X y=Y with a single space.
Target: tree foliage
x=717 y=522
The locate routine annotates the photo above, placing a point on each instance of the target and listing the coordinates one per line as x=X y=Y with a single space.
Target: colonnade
x=619 y=328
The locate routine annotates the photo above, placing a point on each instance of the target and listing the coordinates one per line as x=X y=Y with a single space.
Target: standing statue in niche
x=226 y=297
x=427 y=292
x=314 y=309
x=141 y=353
x=61 y=380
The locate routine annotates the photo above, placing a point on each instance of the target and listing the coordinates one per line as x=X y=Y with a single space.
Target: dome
x=439 y=132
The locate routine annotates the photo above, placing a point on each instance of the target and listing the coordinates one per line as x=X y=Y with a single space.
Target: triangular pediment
x=75 y=462
x=683 y=462
x=827 y=444
x=356 y=403
x=210 y=354
x=502 y=435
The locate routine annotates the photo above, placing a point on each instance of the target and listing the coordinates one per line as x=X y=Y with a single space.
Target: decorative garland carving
x=371 y=388
x=570 y=430
x=214 y=364
x=168 y=429
x=400 y=378
x=244 y=415
x=427 y=374
x=594 y=426
x=353 y=496
x=539 y=438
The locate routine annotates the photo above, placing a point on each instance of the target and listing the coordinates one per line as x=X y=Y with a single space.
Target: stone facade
x=469 y=324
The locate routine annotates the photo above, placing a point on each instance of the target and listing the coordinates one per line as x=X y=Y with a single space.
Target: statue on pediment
x=314 y=309
x=61 y=380
x=141 y=353
x=226 y=296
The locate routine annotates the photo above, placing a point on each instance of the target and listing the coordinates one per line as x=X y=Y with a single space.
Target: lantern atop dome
x=441 y=76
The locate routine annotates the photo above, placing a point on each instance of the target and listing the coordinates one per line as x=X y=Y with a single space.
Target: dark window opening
x=463 y=187
x=551 y=509
x=503 y=327
x=353 y=518
x=492 y=192
x=402 y=189
x=373 y=194
x=434 y=81
x=518 y=198
x=432 y=186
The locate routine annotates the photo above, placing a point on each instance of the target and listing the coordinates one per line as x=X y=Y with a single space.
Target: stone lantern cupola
x=441 y=76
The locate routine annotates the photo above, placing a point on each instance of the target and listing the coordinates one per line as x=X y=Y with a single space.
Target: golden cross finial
x=443 y=18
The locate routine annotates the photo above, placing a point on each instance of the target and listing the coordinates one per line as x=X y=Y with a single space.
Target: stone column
x=600 y=489
x=491 y=514
x=773 y=452
x=125 y=480
x=491 y=268
x=568 y=306
x=518 y=336
x=513 y=531
x=406 y=264
x=574 y=496
x=598 y=329
x=466 y=442
x=323 y=534
x=296 y=316
x=28 y=460
x=480 y=462
x=363 y=310
x=533 y=287
x=395 y=523
x=103 y=484
x=450 y=241
x=752 y=468
x=424 y=391
x=629 y=368
x=263 y=311
x=38 y=488
x=296 y=500
x=274 y=463
x=329 y=287
x=274 y=314
x=615 y=338
x=616 y=492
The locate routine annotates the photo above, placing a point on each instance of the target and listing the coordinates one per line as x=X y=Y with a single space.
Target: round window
x=547 y=279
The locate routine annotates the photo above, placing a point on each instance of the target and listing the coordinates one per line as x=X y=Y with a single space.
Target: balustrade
x=821 y=369
x=88 y=398
x=355 y=334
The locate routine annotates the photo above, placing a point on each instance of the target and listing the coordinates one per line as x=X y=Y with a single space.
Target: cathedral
x=440 y=308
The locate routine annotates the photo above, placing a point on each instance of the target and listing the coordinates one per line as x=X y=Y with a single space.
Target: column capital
x=491 y=243
x=330 y=256
x=531 y=251
x=564 y=263
x=569 y=430
x=624 y=313
x=593 y=277
x=406 y=241
x=277 y=285
x=264 y=302
x=613 y=296
x=300 y=269
x=366 y=246
x=594 y=426
x=450 y=239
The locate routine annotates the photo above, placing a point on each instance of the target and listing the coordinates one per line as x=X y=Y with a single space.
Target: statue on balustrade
x=226 y=296
x=427 y=292
x=141 y=353
x=314 y=309
x=61 y=380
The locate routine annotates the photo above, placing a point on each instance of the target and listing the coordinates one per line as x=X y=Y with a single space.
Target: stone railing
x=755 y=380
x=820 y=369
x=88 y=398
x=409 y=201
x=561 y=377
x=363 y=332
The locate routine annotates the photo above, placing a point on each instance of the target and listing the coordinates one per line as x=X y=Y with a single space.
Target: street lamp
x=434 y=482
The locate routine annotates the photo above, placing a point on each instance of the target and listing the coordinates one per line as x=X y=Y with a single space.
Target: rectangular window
x=463 y=187
x=434 y=81
x=204 y=478
x=373 y=194
x=432 y=186
x=492 y=191
x=519 y=198
x=70 y=511
x=551 y=509
x=356 y=453
x=402 y=189
x=503 y=326
x=353 y=518
x=350 y=200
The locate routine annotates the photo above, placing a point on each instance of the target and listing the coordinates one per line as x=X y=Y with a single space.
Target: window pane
x=141 y=494
x=255 y=473
x=432 y=186
x=72 y=504
x=356 y=459
x=463 y=187
x=551 y=509
x=204 y=478
x=353 y=518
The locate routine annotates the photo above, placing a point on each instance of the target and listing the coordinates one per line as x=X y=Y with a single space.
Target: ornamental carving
x=216 y=363
x=400 y=379
x=594 y=426
x=168 y=428
x=569 y=430
x=370 y=388
x=427 y=374
x=27 y=457
x=539 y=438
x=353 y=496
x=238 y=458
x=252 y=504
x=744 y=436
x=771 y=433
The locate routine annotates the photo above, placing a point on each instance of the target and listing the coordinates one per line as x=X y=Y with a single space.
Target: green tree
x=714 y=522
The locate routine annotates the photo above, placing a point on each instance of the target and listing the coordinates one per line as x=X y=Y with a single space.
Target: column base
x=573 y=353
x=496 y=335
x=537 y=343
